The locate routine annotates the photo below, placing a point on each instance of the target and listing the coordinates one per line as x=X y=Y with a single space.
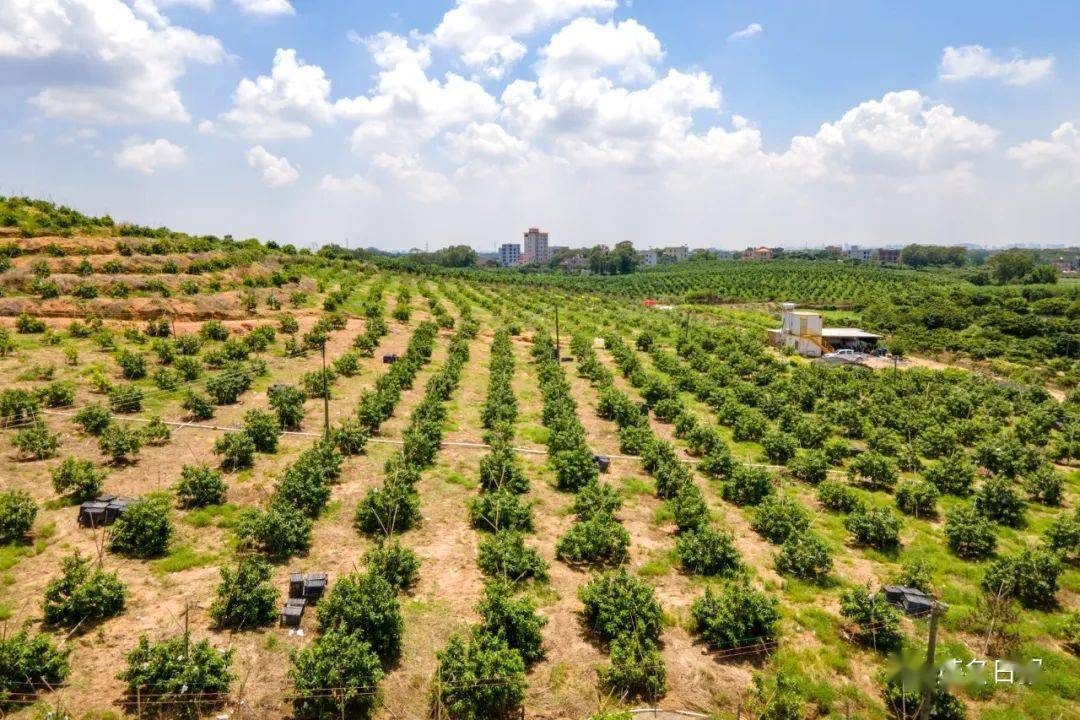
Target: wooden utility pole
x=928 y=668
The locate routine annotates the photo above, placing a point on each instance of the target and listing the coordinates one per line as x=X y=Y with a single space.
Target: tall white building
x=535 y=249
x=509 y=254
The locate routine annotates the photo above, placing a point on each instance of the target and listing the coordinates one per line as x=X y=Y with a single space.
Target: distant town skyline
x=703 y=124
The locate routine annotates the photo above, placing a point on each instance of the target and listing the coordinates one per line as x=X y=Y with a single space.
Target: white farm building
x=802 y=330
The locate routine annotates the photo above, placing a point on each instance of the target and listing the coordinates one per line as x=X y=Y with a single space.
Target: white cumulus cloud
x=284 y=104
x=1060 y=152
x=485 y=31
x=97 y=61
x=976 y=62
x=407 y=108
x=149 y=157
x=409 y=173
x=265 y=7
x=747 y=32
x=276 y=171
x=351 y=185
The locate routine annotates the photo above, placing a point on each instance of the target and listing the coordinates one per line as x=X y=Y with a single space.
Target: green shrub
x=288 y=403
x=398 y=565
x=125 y=399
x=337 y=659
x=262 y=428
x=30 y=662
x=874 y=527
x=197 y=405
x=478 y=679
x=392 y=508
x=599 y=540
x=1045 y=485
x=1063 y=536
x=199 y=486
x=245 y=598
x=28 y=325
x=350 y=437
x=37 y=441
x=213 y=330
x=143 y=530
x=747 y=485
x=57 y=394
x=132 y=365
x=736 y=616
x=904 y=704
x=953 y=474
x=93 y=418
x=777 y=519
x=873 y=471
x=279 y=532
x=155 y=432
x=878 y=622
x=17 y=514
x=189 y=676
x=995 y=499
x=500 y=510
x=707 y=551
x=804 y=556
x=236 y=450
x=594 y=499
x=367 y=605
x=917 y=498
x=838 y=496
x=1030 y=576
x=504 y=554
x=779 y=447
x=636 y=670
x=82 y=592
x=618 y=603
x=77 y=477
x=512 y=619
x=915 y=573
x=574 y=469
x=781 y=699
x=969 y=534
x=317 y=383
x=810 y=467
x=119 y=444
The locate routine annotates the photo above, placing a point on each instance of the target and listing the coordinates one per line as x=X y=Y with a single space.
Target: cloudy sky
x=712 y=123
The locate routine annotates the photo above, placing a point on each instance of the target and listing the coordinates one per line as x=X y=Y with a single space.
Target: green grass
x=180 y=558
x=222 y=516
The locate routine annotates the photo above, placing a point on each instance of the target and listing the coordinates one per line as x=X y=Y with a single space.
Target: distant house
x=676 y=254
x=509 y=254
x=759 y=253
x=854 y=252
x=575 y=262
x=888 y=255
x=650 y=258
x=803 y=332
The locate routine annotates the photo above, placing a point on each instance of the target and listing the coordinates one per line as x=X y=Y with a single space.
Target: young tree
x=262 y=428
x=736 y=614
x=366 y=604
x=804 y=556
x=1030 y=576
x=245 y=598
x=969 y=534
x=37 y=441
x=143 y=530
x=199 y=486
x=279 y=532
x=512 y=619
x=119 y=444
x=481 y=677
x=93 y=418
x=747 y=485
x=77 y=477
x=777 y=519
x=190 y=676
x=504 y=554
x=30 y=662
x=598 y=540
x=874 y=527
x=618 y=603
x=197 y=405
x=82 y=592
x=337 y=659
x=996 y=500
x=17 y=514
x=877 y=622
x=288 y=403
x=236 y=450
x=917 y=498
x=707 y=551
x=398 y=565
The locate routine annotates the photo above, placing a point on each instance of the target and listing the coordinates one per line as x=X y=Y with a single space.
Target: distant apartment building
x=676 y=254
x=509 y=254
x=854 y=252
x=556 y=249
x=535 y=247
x=833 y=250
x=888 y=255
x=652 y=258
x=759 y=253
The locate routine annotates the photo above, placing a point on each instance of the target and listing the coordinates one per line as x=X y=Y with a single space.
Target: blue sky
x=400 y=124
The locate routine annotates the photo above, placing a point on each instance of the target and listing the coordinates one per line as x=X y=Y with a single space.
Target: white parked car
x=844 y=355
